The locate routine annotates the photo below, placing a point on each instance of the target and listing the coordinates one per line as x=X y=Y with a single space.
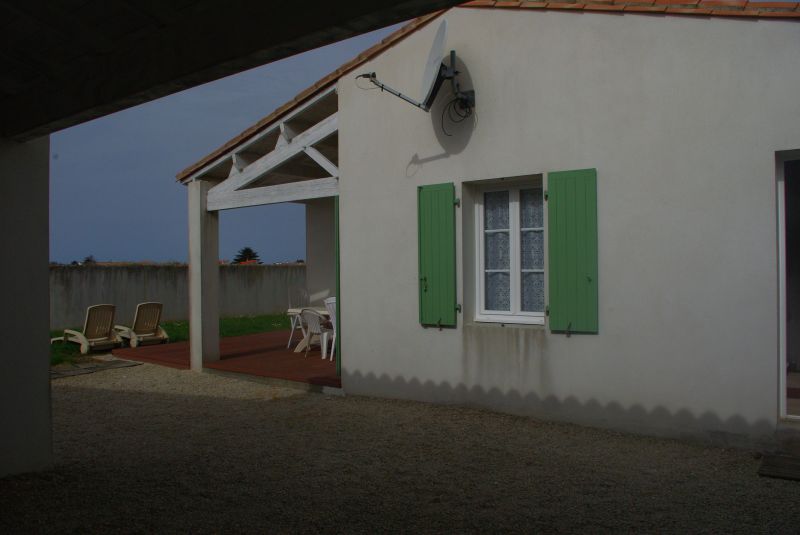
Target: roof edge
x=716 y=8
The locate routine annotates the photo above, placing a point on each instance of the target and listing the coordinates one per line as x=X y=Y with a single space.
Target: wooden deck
x=261 y=355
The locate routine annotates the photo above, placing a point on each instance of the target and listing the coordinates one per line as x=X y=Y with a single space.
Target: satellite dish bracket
x=465 y=99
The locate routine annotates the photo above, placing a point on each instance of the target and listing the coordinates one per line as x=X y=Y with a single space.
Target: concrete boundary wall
x=244 y=290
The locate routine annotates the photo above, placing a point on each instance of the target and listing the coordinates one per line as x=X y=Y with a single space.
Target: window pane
x=533 y=292
x=498 y=250
x=498 y=291
x=532 y=249
x=495 y=210
x=531 y=213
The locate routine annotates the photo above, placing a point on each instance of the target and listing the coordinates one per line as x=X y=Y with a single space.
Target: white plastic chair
x=146 y=328
x=330 y=305
x=98 y=330
x=314 y=321
x=298 y=298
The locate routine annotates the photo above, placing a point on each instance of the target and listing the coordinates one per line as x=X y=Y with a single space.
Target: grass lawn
x=178 y=331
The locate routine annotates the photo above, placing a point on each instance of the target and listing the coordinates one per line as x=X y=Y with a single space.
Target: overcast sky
x=113 y=193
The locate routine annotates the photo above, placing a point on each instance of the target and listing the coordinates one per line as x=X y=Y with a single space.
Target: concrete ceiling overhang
x=68 y=61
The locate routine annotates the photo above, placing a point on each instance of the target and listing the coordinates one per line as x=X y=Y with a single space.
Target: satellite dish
x=436 y=72
x=433 y=69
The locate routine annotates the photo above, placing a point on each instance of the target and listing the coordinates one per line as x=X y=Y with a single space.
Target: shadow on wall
x=452 y=127
x=683 y=424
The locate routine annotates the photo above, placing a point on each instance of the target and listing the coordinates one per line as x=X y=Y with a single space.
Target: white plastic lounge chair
x=98 y=330
x=314 y=321
x=330 y=304
x=145 y=328
x=298 y=299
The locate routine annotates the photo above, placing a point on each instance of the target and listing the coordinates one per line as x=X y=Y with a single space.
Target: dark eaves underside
x=66 y=62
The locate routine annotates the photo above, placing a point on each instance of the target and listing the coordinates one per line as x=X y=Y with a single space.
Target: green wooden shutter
x=437 y=254
x=572 y=250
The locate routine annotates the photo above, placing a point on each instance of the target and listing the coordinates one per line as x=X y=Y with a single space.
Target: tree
x=246 y=255
x=89 y=260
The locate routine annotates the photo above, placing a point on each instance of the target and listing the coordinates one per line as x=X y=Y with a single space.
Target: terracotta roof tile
x=687 y=11
x=772 y=5
x=721 y=8
x=604 y=7
x=646 y=9
x=698 y=7
x=723 y=3
x=734 y=13
x=782 y=14
x=564 y=5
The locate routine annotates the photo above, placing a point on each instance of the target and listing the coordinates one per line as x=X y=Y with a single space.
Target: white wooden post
x=203 y=277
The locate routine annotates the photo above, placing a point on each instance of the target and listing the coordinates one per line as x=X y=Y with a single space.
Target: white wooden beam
x=273 y=179
x=237 y=166
x=286 y=135
x=294 y=191
x=270 y=161
x=242 y=159
x=322 y=161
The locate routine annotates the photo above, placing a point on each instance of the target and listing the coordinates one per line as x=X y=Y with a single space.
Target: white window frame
x=515 y=315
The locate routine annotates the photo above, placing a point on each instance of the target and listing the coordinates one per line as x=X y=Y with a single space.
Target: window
x=510 y=233
x=506 y=264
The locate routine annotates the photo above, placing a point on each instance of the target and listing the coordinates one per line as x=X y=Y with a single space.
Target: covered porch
x=289 y=157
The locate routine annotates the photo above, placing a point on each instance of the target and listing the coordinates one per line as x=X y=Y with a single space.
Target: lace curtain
x=497 y=255
x=531 y=222
x=531 y=209
x=497 y=231
x=495 y=206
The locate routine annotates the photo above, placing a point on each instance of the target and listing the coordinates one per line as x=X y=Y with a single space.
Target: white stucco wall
x=320 y=250
x=681 y=117
x=25 y=432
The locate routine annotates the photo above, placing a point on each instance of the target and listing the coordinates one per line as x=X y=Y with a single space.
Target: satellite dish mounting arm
x=372 y=77
x=466 y=99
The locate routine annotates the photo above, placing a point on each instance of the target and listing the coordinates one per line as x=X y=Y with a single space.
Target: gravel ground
x=151 y=449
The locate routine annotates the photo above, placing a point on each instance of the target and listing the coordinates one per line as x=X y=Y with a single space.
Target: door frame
x=781 y=157
x=337 y=259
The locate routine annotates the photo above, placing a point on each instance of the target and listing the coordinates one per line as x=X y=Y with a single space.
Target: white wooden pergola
x=294 y=158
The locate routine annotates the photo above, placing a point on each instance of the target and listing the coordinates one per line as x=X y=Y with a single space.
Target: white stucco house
x=611 y=238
